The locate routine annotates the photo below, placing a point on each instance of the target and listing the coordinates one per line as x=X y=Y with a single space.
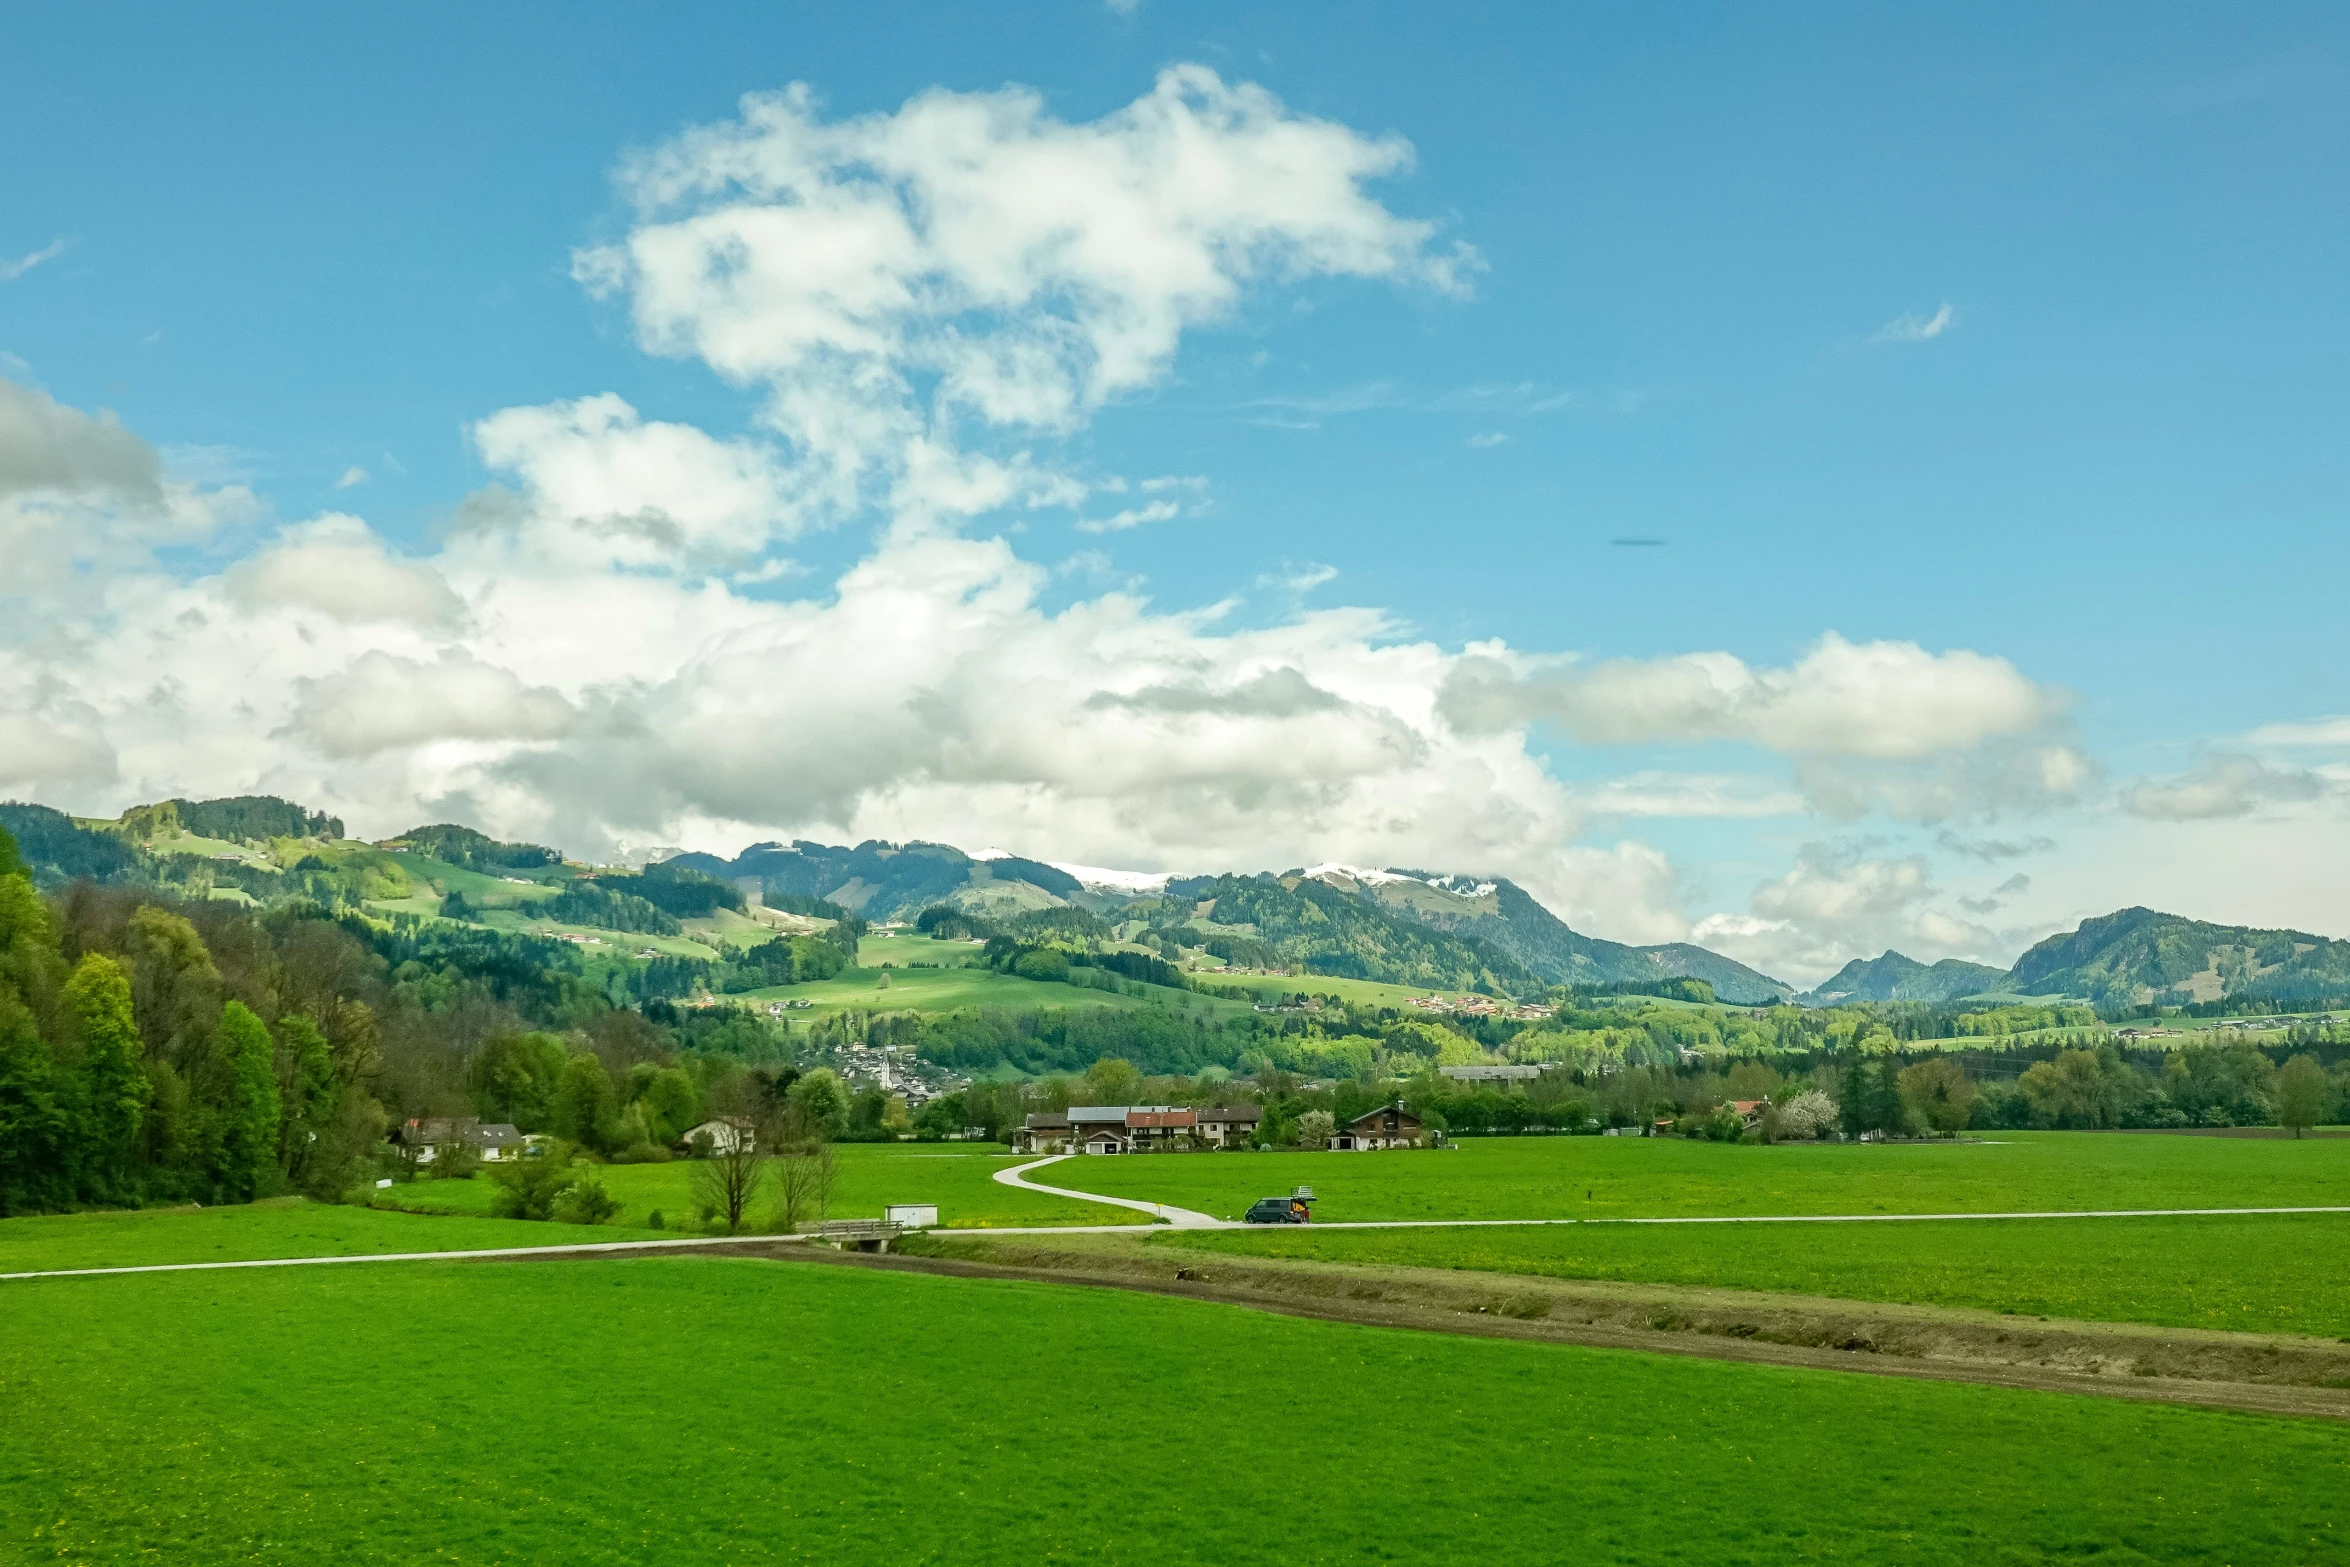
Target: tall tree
x=35 y=1133
x=306 y=1090
x=33 y=1129
x=1852 y=1105
x=585 y=1106
x=1938 y=1094
x=245 y=1123
x=725 y=1184
x=175 y=989
x=2301 y=1093
x=114 y=1088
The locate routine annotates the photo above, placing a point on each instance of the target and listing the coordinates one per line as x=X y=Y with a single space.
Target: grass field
x=281 y=1227
x=1269 y=988
x=747 y=1412
x=1626 y=1177
x=906 y=947
x=945 y=989
x=2280 y=1273
x=871 y=1176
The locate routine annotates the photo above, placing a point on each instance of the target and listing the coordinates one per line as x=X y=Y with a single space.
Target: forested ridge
x=155 y=1049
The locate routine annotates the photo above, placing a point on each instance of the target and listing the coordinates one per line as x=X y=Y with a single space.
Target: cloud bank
x=922 y=308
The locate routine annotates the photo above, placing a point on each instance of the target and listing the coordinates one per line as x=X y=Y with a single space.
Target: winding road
x=1160 y=1214
x=1181 y=1218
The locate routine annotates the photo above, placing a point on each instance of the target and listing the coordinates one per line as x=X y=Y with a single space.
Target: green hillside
x=1415 y=929
x=885 y=881
x=1893 y=977
x=59 y=849
x=2138 y=957
x=1502 y=916
x=1308 y=923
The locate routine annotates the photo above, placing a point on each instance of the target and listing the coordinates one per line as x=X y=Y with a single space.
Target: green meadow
x=279 y=1227
x=903 y=947
x=1270 y=988
x=1635 y=1177
x=736 y=1411
x=869 y=1177
x=2270 y=1273
x=946 y=989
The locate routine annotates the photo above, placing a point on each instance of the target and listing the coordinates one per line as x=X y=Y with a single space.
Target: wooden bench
x=863 y=1234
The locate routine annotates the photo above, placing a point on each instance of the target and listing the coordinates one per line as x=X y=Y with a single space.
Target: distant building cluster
x=1484 y=1006
x=894 y=1069
x=1119 y=1129
x=1115 y=1129
x=1491 y=1074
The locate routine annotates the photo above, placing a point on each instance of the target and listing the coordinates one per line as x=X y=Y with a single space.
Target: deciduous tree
x=245 y=1121
x=585 y=1108
x=1938 y=1094
x=114 y=1080
x=2301 y=1094
x=803 y=1175
x=729 y=1180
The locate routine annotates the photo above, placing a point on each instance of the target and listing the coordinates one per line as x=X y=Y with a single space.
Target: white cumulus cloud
x=2225 y=786
x=970 y=257
x=1889 y=701
x=1838 y=904
x=607 y=647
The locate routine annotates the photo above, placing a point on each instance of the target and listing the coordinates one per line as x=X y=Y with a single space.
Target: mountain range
x=1409 y=927
x=1402 y=926
x=2132 y=958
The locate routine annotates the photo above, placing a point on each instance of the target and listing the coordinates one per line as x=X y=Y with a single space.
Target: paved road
x=1177 y=1218
x=1181 y=1218
x=1184 y=1218
x=1822 y=1218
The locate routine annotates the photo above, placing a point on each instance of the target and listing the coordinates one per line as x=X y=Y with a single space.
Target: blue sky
x=1996 y=329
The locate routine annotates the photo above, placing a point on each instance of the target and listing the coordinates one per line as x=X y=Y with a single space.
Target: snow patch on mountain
x=1098 y=878
x=1458 y=886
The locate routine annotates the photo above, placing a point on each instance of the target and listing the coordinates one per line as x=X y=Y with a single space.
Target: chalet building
x=1229 y=1126
x=1045 y=1131
x=1107 y=1129
x=1389 y=1126
x=497 y=1142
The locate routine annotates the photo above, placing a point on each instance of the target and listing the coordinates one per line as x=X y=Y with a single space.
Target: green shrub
x=584 y=1201
x=529 y=1188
